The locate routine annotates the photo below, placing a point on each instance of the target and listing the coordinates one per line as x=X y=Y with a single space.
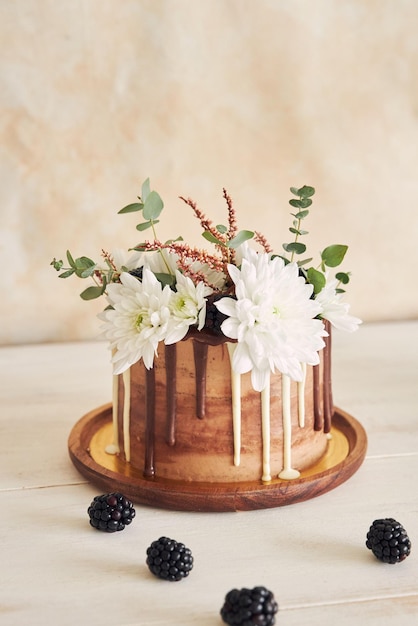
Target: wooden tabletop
x=56 y=569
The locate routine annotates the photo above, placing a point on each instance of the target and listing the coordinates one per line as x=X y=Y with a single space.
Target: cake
x=222 y=360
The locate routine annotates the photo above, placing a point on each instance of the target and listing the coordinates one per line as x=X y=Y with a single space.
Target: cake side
x=183 y=422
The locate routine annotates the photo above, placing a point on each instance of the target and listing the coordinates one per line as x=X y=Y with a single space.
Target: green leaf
x=130 y=208
x=333 y=255
x=295 y=191
x=179 y=238
x=165 y=279
x=209 y=237
x=317 y=279
x=305 y=202
x=221 y=228
x=66 y=274
x=301 y=215
x=343 y=277
x=70 y=259
x=84 y=267
x=239 y=238
x=146 y=225
x=91 y=293
x=153 y=206
x=306 y=191
x=295 y=246
x=295 y=203
x=304 y=262
x=145 y=190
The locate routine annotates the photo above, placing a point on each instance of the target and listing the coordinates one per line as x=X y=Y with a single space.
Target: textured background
x=252 y=95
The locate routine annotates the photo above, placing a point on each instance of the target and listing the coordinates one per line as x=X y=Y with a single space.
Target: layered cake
x=222 y=359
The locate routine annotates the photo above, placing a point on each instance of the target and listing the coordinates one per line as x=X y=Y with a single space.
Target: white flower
x=187 y=307
x=272 y=319
x=334 y=309
x=138 y=320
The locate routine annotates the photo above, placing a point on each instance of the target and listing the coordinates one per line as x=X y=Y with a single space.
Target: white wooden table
x=55 y=569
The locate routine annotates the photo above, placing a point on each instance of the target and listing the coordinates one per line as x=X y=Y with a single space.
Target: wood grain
x=111 y=473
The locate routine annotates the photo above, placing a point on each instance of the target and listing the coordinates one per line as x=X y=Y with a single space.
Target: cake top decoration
x=271 y=306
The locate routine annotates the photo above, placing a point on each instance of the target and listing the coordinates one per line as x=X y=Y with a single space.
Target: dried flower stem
x=260 y=239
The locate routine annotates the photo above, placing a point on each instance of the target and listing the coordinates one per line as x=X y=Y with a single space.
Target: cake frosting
x=192 y=418
x=222 y=361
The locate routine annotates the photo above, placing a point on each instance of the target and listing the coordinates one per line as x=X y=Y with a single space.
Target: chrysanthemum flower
x=272 y=319
x=334 y=309
x=187 y=307
x=138 y=319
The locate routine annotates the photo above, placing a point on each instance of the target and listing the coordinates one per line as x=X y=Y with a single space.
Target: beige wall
x=253 y=95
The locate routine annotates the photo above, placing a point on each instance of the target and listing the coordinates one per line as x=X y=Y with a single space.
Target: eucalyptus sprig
x=83 y=267
x=332 y=256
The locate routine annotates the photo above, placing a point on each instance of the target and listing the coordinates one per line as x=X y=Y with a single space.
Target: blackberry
x=169 y=560
x=249 y=607
x=214 y=318
x=137 y=273
x=388 y=540
x=111 y=512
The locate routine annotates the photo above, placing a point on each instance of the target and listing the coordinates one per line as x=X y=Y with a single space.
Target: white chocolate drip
x=113 y=448
x=236 y=406
x=127 y=413
x=301 y=397
x=265 y=431
x=287 y=473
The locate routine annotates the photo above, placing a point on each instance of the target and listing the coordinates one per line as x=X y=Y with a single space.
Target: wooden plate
x=89 y=437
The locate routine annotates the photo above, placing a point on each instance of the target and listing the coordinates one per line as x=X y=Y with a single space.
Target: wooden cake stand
x=93 y=432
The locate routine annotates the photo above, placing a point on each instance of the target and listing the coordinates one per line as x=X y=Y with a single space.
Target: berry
x=137 y=273
x=388 y=540
x=169 y=560
x=214 y=317
x=249 y=607
x=111 y=512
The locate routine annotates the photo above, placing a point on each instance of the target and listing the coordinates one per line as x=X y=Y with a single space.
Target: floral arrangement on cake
x=272 y=306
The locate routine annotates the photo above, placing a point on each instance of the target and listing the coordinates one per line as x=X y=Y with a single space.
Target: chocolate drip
x=149 y=469
x=318 y=414
x=200 y=352
x=170 y=367
x=328 y=402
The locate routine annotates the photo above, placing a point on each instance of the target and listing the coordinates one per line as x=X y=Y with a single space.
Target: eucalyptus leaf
x=305 y=202
x=304 y=262
x=153 y=206
x=70 y=259
x=306 y=191
x=317 y=279
x=295 y=191
x=145 y=190
x=91 y=293
x=301 y=215
x=66 y=274
x=179 y=238
x=131 y=208
x=296 y=203
x=165 y=279
x=333 y=255
x=221 y=229
x=209 y=237
x=343 y=277
x=146 y=225
x=295 y=246
x=87 y=272
x=84 y=267
x=239 y=238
